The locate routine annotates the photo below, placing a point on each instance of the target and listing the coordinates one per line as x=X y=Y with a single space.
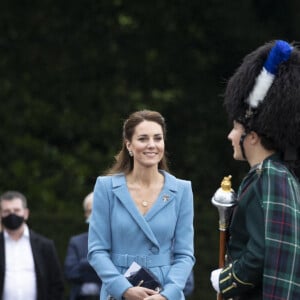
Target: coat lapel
x=2 y=261
x=120 y=190
x=35 y=251
x=166 y=196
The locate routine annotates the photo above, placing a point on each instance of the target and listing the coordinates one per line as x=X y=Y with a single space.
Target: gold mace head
x=224 y=199
x=226 y=183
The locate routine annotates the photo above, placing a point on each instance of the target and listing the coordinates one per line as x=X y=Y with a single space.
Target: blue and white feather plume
x=278 y=54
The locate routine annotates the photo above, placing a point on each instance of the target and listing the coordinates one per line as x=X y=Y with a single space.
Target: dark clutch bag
x=145 y=278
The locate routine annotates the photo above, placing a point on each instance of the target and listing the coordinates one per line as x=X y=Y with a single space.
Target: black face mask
x=12 y=221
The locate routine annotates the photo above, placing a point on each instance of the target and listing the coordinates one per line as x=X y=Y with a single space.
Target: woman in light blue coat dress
x=143 y=214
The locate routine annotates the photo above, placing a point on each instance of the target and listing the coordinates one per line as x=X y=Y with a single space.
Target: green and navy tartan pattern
x=281 y=204
x=270 y=196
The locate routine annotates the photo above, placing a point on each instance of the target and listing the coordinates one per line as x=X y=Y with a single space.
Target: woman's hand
x=140 y=293
x=155 y=297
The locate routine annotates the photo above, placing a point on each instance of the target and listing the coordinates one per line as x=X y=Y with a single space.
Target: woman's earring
x=130 y=153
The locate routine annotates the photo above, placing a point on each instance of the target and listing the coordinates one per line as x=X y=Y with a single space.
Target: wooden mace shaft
x=222 y=249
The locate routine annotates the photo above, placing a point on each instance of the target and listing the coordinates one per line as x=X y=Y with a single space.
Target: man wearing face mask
x=29 y=265
x=85 y=282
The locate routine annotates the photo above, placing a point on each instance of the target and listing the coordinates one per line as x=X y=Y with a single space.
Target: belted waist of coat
x=148 y=261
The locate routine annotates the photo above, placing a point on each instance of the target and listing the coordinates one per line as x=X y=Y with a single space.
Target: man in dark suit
x=29 y=265
x=85 y=282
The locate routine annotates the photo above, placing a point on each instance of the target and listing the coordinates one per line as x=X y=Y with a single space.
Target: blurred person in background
x=190 y=285
x=85 y=283
x=29 y=265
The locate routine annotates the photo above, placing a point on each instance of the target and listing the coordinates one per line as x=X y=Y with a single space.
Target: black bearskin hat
x=276 y=117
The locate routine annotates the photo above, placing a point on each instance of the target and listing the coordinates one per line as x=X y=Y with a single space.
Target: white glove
x=214 y=278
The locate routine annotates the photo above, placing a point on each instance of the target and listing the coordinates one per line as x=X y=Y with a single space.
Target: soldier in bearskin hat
x=262 y=99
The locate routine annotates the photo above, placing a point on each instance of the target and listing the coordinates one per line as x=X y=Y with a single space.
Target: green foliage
x=71 y=71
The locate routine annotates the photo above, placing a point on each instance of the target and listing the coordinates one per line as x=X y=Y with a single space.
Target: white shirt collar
x=25 y=232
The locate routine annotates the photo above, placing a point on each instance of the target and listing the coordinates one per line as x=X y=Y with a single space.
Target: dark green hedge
x=71 y=71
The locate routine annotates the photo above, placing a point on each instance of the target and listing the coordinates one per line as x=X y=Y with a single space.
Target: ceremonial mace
x=224 y=199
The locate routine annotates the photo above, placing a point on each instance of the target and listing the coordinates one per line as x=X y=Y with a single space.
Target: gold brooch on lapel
x=166 y=198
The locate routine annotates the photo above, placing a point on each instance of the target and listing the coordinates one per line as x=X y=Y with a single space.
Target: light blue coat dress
x=161 y=240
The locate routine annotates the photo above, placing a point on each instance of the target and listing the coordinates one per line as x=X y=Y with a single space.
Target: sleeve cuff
x=171 y=291
x=230 y=284
x=118 y=287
